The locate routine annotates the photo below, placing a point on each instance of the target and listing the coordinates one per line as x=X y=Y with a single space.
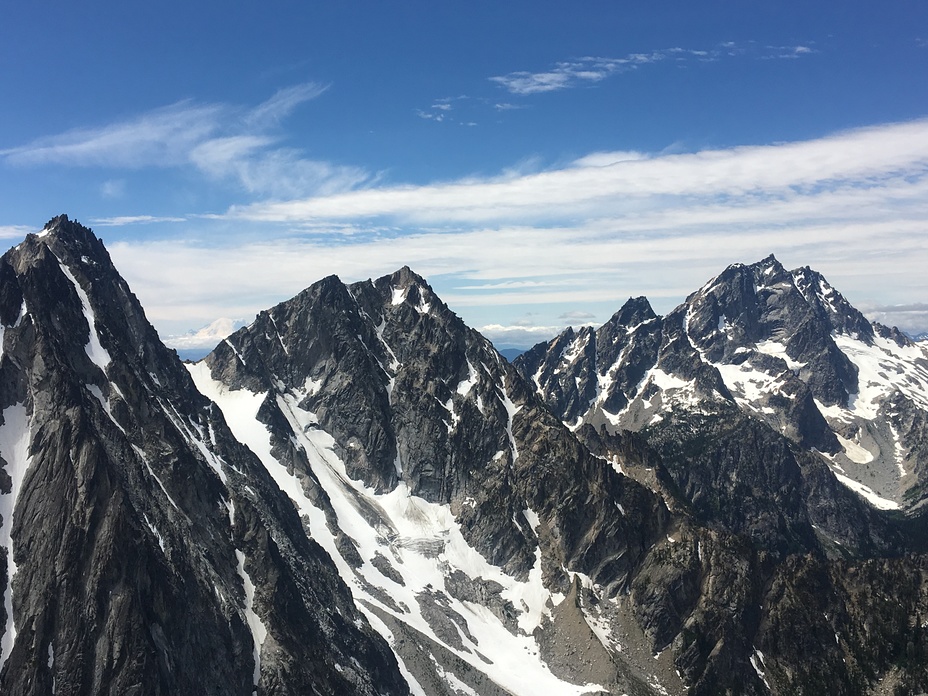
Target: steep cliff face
x=146 y=550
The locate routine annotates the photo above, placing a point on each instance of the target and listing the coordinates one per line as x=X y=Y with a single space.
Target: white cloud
x=577 y=316
x=283 y=103
x=161 y=137
x=223 y=141
x=914 y=316
x=113 y=188
x=787 y=52
x=15 y=231
x=582 y=237
x=519 y=336
x=622 y=185
x=207 y=337
x=124 y=220
x=591 y=69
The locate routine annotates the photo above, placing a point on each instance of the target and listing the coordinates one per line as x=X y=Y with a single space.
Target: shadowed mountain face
x=146 y=550
x=357 y=494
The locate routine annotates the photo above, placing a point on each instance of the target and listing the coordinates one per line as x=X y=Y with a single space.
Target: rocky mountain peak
x=404 y=277
x=769 y=266
x=635 y=311
x=831 y=305
x=151 y=505
x=406 y=288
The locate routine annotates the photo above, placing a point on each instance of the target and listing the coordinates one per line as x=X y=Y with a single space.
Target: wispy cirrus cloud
x=282 y=104
x=15 y=231
x=222 y=141
x=580 y=237
x=591 y=69
x=125 y=220
x=724 y=183
x=161 y=138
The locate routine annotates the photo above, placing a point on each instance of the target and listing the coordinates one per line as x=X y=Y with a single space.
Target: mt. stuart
x=357 y=494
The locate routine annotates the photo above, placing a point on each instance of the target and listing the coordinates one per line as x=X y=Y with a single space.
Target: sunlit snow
x=95 y=351
x=421 y=540
x=14 y=448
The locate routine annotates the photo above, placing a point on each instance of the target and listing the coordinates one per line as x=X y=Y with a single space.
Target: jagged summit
x=405 y=277
x=784 y=346
x=636 y=310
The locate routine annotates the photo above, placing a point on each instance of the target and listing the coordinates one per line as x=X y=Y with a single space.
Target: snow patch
x=14 y=448
x=96 y=352
x=235 y=350
x=154 y=530
x=258 y=629
x=884 y=367
x=777 y=349
x=866 y=492
x=51 y=664
x=464 y=386
x=532 y=517
x=855 y=452
x=422 y=540
x=511 y=410
x=757 y=660
x=747 y=384
x=898 y=450
x=573 y=350
x=399 y=296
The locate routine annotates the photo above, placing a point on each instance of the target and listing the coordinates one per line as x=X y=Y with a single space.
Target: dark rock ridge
x=152 y=552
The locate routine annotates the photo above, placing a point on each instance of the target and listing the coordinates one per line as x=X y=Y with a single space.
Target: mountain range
x=357 y=494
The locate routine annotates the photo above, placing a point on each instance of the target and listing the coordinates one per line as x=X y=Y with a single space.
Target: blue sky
x=538 y=162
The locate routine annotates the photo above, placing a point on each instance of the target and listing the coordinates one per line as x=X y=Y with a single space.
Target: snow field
x=407 y=525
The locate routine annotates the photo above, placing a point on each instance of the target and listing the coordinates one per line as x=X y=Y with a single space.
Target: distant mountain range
x=357 y=494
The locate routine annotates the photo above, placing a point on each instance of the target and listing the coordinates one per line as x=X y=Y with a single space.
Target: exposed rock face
x=410 y=394
x=146 y=550
x=749 y=382
x=785 y=347
x=357 y=462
